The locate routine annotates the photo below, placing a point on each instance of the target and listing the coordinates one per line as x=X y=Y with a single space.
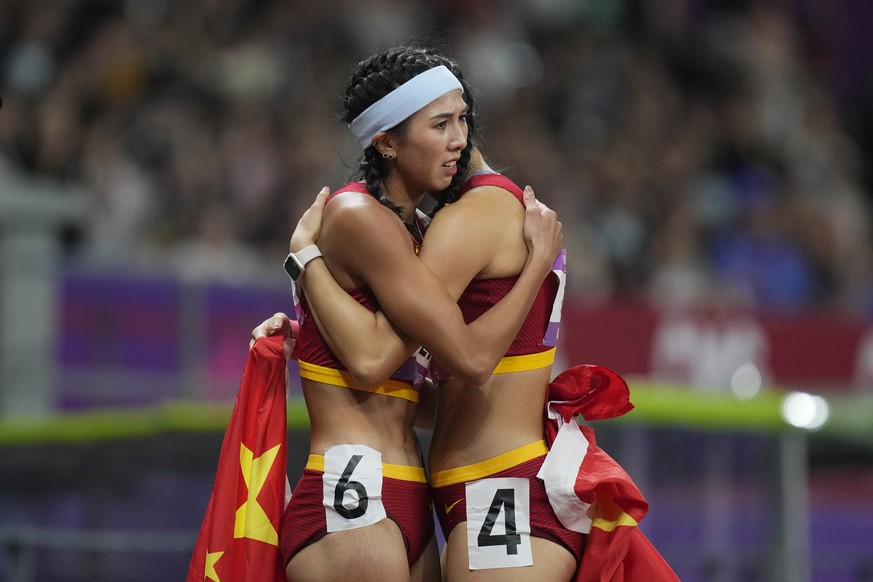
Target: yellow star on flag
x=251 y=519
x=211 y=559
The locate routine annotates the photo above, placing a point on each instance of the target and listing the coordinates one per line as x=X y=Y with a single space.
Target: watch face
x=292 y=268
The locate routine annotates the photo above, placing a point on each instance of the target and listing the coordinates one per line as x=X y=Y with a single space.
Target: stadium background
x=711 y=163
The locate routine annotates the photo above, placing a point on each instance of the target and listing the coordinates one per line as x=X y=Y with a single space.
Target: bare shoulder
x=350 y=203
x=482 y=205
x=358 y=213
x=479 y=236
x=363 y=240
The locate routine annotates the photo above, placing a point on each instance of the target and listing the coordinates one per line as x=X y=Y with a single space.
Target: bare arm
x=367 y=343
x=418 y=302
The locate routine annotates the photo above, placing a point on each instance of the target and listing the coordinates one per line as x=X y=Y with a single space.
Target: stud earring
x=388 y=155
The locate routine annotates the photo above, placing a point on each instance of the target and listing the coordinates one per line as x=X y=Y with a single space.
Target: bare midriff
x=340 y=415
x=477 y=423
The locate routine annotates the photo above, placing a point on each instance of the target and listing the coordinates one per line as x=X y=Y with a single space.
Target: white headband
x=402 y=102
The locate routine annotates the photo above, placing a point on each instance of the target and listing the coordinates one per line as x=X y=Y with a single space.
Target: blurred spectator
x=696 y=150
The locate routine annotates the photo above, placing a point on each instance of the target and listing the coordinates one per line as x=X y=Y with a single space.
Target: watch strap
x=307 y=254
x=295 y=263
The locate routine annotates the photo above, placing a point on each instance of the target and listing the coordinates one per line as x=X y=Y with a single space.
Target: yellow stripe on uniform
x=490 y=466
x=525 y=362
x=395 y=388
x=400 y=472
x=522 y=363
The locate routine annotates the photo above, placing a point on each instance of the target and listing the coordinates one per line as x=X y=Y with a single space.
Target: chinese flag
x=616 y=550
x=239 y=538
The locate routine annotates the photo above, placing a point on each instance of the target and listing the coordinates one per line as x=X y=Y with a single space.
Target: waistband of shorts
x=399 y=472
x=342 y=378
x=509 y=364
x=490 y=466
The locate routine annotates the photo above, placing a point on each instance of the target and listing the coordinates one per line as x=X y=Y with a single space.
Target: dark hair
x=377 y=76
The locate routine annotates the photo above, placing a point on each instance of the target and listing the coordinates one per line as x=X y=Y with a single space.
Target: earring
x=388 y=155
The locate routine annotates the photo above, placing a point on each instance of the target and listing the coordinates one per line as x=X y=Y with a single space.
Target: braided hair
x=377 y=76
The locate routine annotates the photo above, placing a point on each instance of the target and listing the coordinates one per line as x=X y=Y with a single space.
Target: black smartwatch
x=295 y=263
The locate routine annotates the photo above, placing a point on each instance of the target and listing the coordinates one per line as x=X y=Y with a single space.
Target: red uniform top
x=318 y=362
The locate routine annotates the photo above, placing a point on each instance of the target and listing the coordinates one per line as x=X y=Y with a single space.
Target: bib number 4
x=504 y=500
x=498 y=523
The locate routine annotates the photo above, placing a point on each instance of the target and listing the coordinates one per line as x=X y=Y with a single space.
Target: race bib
x=352 y=487
x=498 y=523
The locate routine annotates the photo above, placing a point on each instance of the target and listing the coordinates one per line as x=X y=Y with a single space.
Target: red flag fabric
x=604 y=497
x=592 y=392
x=239 y=537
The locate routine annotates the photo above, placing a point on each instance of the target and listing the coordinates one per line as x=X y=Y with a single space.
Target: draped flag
x=239 y=537
x=588 y=489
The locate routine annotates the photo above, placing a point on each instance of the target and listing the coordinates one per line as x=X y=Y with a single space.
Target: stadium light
x=804 y=410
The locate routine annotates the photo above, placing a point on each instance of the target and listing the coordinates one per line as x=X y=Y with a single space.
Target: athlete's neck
x=476 y=163
x=402 y=200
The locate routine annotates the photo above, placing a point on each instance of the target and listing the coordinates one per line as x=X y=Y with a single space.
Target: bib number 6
x=352 y=487
x=359 y=500
x=498 y=523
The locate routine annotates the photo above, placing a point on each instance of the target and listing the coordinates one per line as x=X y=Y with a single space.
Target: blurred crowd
x=697 y=151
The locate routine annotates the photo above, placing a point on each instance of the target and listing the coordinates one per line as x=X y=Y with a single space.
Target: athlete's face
x=428 y=153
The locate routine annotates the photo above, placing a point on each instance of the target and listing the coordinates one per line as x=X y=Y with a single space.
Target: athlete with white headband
x=362 y=509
